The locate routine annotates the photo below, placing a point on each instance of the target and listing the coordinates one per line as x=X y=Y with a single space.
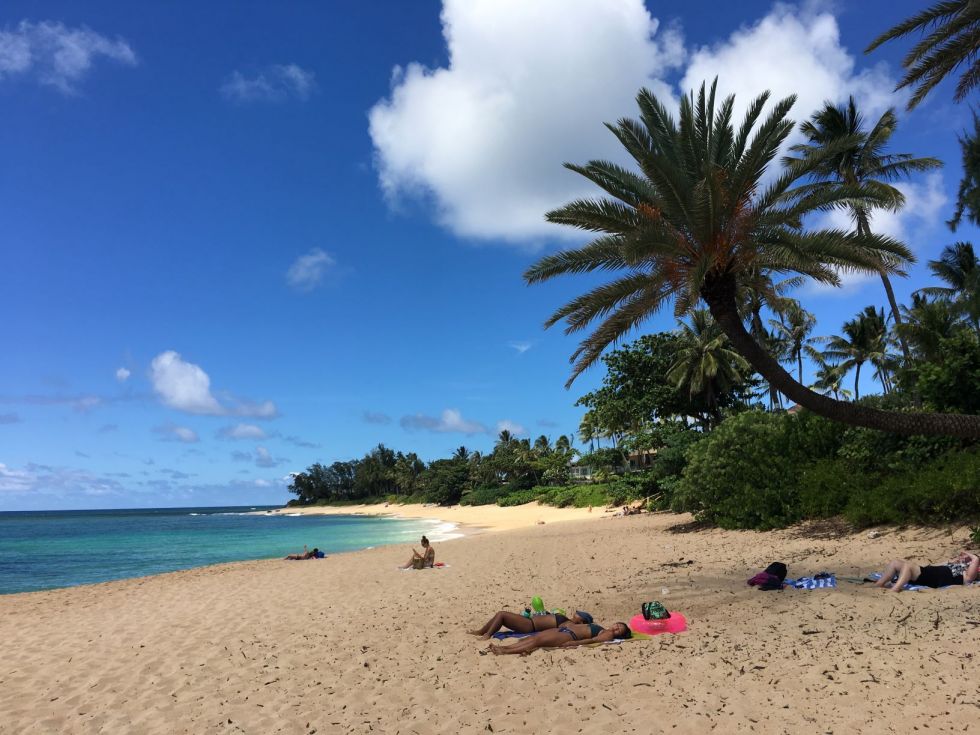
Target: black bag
x=777 y=569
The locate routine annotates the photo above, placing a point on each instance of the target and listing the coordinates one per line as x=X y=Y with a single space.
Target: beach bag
x=771 y=579
x=654 y=611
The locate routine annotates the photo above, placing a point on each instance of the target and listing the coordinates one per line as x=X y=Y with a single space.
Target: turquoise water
x=42 y=550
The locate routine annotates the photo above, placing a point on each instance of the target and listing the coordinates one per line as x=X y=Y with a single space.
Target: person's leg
x=504 y=619
x=544 y=639
x=906 y=574
x=893 y=568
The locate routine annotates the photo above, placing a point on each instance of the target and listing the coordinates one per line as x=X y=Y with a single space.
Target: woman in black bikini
x=565 y=637
x=520 y=624
x=961 y=570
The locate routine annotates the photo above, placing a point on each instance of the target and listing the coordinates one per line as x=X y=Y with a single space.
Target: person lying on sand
x=305 y=555
x=424 y=560
x=520 y=624
x=961 y=570
x=565 y=637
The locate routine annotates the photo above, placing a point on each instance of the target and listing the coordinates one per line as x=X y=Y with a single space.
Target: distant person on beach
x=425 y=560
x=521 y=624
x=315 y=554
x=961 y=570
x=565 y=637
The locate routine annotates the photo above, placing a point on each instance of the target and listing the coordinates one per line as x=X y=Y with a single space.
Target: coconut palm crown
x=865 y=161
x=696 y=220
x=950 y=32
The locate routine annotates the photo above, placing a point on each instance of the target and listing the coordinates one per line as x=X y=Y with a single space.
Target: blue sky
x=239 y=238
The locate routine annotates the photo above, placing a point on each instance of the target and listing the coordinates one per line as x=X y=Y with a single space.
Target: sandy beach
x=350 y=644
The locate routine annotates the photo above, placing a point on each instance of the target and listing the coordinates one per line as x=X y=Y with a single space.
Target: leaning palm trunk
x=719 y=293
x=864 y=228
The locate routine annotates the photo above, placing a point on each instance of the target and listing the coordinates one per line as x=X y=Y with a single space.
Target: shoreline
x=469 y=519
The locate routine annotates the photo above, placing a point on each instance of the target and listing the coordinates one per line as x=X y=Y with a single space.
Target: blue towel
x=810 y=583
x=510 y=634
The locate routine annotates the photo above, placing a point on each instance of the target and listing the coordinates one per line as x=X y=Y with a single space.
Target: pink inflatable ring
x=676 y=623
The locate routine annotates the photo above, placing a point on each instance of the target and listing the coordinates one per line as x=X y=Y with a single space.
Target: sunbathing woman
x=565 y=637
x=520 y=624
x=961 y=570
x=305 y=555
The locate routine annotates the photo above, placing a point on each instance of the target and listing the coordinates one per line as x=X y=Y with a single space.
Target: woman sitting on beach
x=424 y=560
x=961 y=570
x=521 y=624
x=566 y=636
x=315 y=554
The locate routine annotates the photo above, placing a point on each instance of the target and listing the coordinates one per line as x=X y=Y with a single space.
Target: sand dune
x=350 y=644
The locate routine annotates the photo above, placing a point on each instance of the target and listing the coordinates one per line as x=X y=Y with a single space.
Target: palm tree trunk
x=799 y=359
x=864 y=228
x=897 y=316
x=857 y=377
x=719 y=293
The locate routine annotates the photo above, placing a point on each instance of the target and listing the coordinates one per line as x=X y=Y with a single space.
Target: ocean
x=48 y=549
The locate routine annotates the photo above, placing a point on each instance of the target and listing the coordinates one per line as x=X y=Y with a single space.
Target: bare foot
x=475 y=632
x=496 y=649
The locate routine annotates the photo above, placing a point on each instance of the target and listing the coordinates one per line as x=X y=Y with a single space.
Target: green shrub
x=483 y=495
x=943 y=491
x=810 y=437
x=739 y=476
x=826 y=486
x=631 y=487
x=950 y=384
x=518 y=497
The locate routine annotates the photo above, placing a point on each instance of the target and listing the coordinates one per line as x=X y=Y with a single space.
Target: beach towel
x=635 y=637
x=437 y=565
x=812 y=583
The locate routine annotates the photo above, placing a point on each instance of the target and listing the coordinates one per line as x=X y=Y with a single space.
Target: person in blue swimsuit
x=566 y=636
x=520 y=624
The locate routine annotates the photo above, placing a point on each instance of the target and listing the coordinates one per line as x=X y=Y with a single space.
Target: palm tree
x=587 y=430
x=829 y=376
x=864 y=339
x=959 y=268
x=968 y=193
x=953 y=28
x=696 y=220
x=927 y=323
x=461 y=453
x=705 y=365
x=794 y=325
x=860 y=158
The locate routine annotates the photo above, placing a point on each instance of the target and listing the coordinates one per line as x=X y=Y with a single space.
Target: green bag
x=654 y=611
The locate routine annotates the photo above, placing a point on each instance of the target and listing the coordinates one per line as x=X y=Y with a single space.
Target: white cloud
x=520 y=347
x=171 y=432
x=792 y=50
x=183 y=385
x=274 y=83
x=242 y=431
x=263 y=458
x=514 y=428
x=308 y=270
x=122 y=375
x=186 y=387
x=527 y=87
x=57 y=55
x=450 y=421
x=15 y=481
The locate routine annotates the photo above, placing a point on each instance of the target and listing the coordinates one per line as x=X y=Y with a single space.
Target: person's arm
x=971 y=571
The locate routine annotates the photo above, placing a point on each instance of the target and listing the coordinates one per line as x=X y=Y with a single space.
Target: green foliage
x=739 y=476
x=632 y=486
x=826 y=486
x=951 y=383
x=444 y=481
x=942 y=491
x=519 y=497
x=577 y=496
x=483 y=495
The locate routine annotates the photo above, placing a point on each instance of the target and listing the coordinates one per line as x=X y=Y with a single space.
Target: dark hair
x=315 y=550
x=629 y=633
x=425 y=541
